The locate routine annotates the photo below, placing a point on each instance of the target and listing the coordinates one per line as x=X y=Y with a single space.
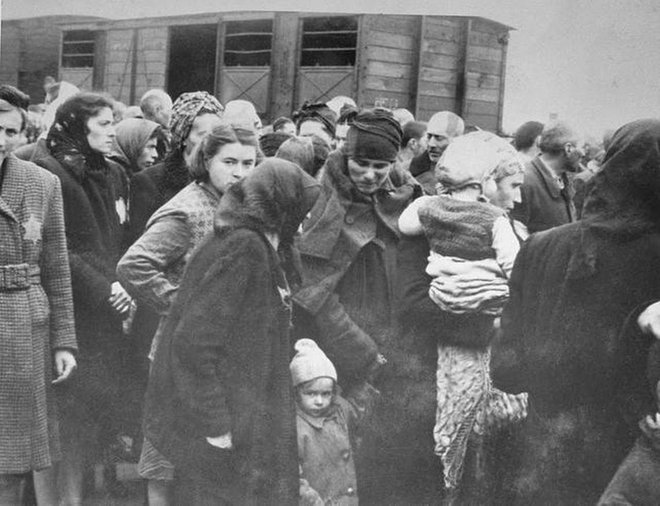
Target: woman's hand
x=65 y=363
x=119 y=299
x=649 y=320
x=224 y=442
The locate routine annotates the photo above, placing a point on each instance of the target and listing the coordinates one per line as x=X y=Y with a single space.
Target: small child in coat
x=472 y=250
x=326 y=423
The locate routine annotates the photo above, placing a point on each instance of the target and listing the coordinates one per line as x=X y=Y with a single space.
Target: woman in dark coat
x=219 y=403
x=346 y=302
x=94 y=197
x=575 y=291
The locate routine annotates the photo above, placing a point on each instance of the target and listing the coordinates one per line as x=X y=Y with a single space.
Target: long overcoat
x=568 y=339
x=36 y=314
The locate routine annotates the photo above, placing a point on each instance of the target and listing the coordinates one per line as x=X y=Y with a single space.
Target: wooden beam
x=219 y=57
x=504 y=40
x=98 y=77
x=416 y=69
x=461 y=72
x=134 y=64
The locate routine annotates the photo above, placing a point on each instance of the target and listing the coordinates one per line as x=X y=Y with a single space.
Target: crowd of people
x=346 y=306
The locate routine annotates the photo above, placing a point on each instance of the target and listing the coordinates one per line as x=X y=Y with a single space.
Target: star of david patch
x=32 y=230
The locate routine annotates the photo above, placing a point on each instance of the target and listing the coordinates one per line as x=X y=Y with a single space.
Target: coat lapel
x=13 y=188
x=549 y=182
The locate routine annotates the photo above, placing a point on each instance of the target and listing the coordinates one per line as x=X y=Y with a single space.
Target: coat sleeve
x=141 y=204
x=55 y=274
x=505 y=357
x=211 y=351
x=350 y=348
x=141 y=270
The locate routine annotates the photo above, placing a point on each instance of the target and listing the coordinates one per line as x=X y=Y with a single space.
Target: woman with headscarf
x=153 y=266
x=569 y=335
x=194 y=114
x=137 y=144
x=346 y=301
x=57 y=94
x=220 y=403
x=94 y=194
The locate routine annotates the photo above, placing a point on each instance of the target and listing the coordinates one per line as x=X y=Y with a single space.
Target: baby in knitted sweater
x=473 y=248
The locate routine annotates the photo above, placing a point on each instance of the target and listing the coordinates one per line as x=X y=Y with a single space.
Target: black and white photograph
x=312 y=253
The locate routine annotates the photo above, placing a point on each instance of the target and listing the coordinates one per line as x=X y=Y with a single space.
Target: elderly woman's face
x=101 y=131
x=506 y=192
x=368 y=175
x=148 y=155
x=202 y=125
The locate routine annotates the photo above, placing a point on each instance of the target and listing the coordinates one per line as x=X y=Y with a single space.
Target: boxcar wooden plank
x=434 y=104
x=438 y=76
x=485 y=26
x=393 y=24
x=400 y=41
x=489 y=67
x=482 y=80
x=388 y=69
x=485 y=53
x=370 y=96
x=436 y=89
x=482 y=108
x=439 y=61
x=440 y=47
x=485 y=39
x=444 y=21
x=485 y=122
x=388 y=54
x=487 y=95
x=387 y=84
x=450 y=33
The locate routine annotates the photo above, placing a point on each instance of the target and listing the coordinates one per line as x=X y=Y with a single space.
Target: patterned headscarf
x=184 y=111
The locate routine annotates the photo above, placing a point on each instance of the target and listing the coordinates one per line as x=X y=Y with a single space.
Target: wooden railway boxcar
x=277 y=60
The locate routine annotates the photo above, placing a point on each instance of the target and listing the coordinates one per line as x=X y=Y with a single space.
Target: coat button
x=350 y=491
x=350 y=220
x=346 y=454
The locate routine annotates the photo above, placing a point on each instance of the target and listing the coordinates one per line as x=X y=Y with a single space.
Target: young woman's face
x=315 y=397
x=101 y=131
x=148 y=154
x=368 y=175
x=230 y=165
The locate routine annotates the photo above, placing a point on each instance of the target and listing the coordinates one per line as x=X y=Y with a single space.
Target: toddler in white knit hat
x=326 y=423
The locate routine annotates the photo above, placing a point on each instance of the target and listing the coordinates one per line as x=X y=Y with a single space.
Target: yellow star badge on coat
x=32 y=230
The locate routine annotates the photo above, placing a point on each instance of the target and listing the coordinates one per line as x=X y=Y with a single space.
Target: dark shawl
x=222 y=364
x=569 y=331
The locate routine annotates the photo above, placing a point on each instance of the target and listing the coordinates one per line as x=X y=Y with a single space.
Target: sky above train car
x=595 y=63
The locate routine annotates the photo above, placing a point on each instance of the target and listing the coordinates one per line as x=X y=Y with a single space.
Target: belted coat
x=36 y=314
